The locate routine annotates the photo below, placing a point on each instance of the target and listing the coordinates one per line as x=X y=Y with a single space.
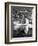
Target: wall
x=2 y=23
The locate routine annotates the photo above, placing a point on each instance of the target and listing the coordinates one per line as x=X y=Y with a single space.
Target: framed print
x=20 y=22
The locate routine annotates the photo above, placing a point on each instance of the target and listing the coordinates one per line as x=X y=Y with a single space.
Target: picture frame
x=20 y=22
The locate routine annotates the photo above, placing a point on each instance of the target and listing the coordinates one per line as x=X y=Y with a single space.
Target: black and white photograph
x=22 y=22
